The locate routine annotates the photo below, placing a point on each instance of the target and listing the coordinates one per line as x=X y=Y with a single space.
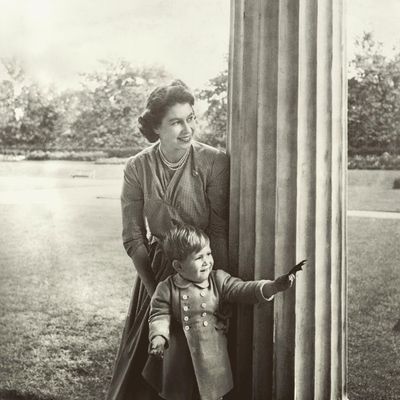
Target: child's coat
x=186 y=314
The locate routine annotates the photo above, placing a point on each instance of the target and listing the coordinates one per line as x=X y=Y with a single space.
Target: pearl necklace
x=176 y=165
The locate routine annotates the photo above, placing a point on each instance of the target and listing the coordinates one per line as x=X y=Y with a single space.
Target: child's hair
x=183 y=240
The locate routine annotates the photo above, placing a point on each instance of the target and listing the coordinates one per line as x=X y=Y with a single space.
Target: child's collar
x=183 y=283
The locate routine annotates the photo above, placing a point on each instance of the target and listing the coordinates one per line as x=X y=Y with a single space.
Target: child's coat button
x=202 y=294
x=186 y=318
x=187 y=328
x=203 y=314
x=205 y=323
x=185 y=297
x=203 y=305
x=185 y=308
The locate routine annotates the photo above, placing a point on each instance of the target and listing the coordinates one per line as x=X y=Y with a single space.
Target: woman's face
x=177 y=128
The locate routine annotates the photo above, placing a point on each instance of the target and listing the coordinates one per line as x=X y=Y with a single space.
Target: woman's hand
x=142 y=263
x=157 y=346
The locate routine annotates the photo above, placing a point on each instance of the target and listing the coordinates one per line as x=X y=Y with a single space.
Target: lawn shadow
x=16 y=395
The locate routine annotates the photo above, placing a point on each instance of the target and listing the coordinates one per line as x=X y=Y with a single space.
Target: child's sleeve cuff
x=259 y=292
x=159 y=327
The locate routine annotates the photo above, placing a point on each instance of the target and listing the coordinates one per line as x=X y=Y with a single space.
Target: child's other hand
x=284 y=282
x=157 y=346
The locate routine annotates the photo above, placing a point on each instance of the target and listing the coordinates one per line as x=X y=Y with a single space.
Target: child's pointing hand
x=298 y=267
x=284 y=282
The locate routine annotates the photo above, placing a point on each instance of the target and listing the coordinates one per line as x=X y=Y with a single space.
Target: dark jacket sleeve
x=160 y=311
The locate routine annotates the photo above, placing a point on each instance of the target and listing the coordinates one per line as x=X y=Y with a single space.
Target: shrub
x=384 y=161
x=396 y=185
x=123 y=152
x=37 y=155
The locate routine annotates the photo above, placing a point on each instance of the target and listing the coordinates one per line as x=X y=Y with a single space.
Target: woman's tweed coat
x=152 y=202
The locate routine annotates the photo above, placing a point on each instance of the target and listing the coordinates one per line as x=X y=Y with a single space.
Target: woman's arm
x=141 y=261
x=217 y=192
x=134 y=228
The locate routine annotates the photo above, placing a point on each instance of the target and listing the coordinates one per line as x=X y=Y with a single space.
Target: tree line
x=102 y=112
x=373 y=102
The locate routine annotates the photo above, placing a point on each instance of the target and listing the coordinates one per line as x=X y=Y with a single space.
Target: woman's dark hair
x=158 y=103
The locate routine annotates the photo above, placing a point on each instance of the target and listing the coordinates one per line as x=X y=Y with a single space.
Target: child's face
x=196 y=267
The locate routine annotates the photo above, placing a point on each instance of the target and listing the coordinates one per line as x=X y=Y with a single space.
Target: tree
x=27 y=115
x=38 y=118
x=216 y=115
x=101 y=114
x=110 y=102
x=374 y=100
x=8 y=121
x=9 y=89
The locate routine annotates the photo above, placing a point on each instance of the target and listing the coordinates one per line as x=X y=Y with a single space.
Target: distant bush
x=39 y=155
x=80 y=155
x=384 y=161
x=368 y=150
x=123 y=152
x=396 y=185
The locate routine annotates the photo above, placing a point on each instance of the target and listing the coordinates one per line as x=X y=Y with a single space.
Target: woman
x=176 y=180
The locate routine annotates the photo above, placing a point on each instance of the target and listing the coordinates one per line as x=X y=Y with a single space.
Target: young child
x=185 y=328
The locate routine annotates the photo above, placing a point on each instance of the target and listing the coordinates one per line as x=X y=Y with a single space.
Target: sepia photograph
x=199 y=200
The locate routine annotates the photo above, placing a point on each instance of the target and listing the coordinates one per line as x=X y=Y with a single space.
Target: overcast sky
x=56 y=39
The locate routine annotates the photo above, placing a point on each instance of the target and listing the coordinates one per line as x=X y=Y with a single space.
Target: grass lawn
x=372 y=191
x=373 y=309
x=66 y=282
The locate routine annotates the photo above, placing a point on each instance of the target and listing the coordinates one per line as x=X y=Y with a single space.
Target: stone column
x=287 y=130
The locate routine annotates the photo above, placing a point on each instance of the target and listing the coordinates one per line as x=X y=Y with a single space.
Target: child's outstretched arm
x=236 y=290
